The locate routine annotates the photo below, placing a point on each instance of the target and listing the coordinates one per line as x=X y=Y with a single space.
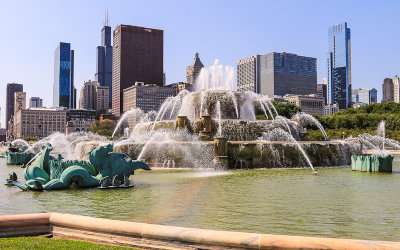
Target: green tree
x=287 y=110
x=103 y=128
x=30 y=138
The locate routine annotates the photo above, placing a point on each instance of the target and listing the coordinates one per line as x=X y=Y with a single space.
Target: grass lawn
x=46 y=243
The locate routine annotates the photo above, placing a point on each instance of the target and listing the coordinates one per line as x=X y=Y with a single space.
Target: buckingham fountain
x=211 y=127
x=215 y=126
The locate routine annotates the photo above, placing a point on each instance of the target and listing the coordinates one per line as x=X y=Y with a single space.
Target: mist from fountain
x=20 y=141
x=172 y=144
x=307 y=120
x=144 y=148
x=65 y=143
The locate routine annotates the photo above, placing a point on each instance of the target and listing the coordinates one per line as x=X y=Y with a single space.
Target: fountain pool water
x=282 y=201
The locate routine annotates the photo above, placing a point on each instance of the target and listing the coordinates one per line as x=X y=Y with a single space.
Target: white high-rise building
x=396 y=91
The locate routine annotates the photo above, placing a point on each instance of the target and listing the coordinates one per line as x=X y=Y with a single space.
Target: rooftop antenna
x=106 y=18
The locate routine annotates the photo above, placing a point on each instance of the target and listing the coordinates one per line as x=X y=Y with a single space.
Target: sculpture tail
x=18 y=184
x=140 y=164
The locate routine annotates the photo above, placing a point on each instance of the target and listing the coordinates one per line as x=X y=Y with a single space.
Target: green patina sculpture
x=14 y=156
x=372 y=163
x=105 y=169
x=115 y=168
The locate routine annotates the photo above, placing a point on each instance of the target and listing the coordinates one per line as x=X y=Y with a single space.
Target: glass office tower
x=104 y=59
x=339 y=66
x=373 y=93
x=64 y=93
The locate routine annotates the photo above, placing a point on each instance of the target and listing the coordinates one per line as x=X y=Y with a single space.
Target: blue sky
x=228 y=30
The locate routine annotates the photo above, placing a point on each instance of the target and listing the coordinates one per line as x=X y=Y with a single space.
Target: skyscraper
x=64 y=93
x=373 y=95
x=87 y=98
x=104 y=58
x=35 y=102
x=396 y=89
x=19 y=101
x=339 y=66
x=11 y=89
x=388 y=90
x=93 y=96
x=321 y=89
x=278 y=74
x=137 y=57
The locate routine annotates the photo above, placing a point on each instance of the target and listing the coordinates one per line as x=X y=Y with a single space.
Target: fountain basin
x=242 y=154
x=18 y=158
x=372 y=163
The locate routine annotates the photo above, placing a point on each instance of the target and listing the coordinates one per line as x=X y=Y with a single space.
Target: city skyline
x=213 y=38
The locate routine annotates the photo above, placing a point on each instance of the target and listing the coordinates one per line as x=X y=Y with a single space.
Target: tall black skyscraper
x=104 y=58
x=11 y=89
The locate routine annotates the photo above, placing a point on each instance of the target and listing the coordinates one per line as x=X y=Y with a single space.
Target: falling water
x=202 y=97
x=219 y=118
x=279 y=134
x=161 y=113
x=233 y=97
x=123 y=117
x=177 y=98
x=169 y=103
x=283 y=119
x=273 y=106
x=263 y=108
x=269 y=110
x=247 y=107
x=381 y=131
x=306 y=119
x=187 y=108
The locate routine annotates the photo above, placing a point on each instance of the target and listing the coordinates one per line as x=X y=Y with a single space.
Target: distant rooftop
x=196 y=62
